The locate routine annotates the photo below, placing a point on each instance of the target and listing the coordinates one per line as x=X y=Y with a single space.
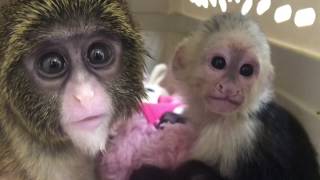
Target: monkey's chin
x=89 y=138
x=223 y=106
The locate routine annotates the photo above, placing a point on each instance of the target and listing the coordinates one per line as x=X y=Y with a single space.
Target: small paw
x=171 y=118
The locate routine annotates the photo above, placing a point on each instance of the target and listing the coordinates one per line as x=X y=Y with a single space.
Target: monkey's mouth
x=90 y=122
x=227 y=99
x=223 y=104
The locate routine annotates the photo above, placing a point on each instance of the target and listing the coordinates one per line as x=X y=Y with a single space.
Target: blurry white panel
x=237 y=1
x=263 y=6
x=197 y=2
x=213 y=3
x=283 y=13
x=305 y=17
x=205 y=3
x=223 y=5
x=246 y=7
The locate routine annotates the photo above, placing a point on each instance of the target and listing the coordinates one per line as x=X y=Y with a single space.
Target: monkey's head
x=69 y=68
x=225 y=67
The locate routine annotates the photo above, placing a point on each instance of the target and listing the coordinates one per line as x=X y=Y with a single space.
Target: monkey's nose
x=228 y=89
x=220 y=87
x=84 y=95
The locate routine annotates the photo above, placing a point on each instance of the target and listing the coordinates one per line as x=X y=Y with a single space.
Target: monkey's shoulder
x=281 y=122
x=282 y=147
x=283 y=130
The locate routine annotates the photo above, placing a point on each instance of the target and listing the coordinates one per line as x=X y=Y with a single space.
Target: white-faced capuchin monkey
x=225 y=74
x=69 y=69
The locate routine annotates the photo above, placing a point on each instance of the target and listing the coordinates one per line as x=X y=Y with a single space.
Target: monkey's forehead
x=5 y=2
x=29 y=20
x=228 y=21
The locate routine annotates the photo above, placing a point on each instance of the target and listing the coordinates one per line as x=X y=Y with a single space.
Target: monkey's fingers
x=171 y=118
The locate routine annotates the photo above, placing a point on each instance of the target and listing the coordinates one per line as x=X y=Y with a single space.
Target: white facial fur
x=85 y=97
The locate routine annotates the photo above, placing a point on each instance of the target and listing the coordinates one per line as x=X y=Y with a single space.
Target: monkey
x=69 y=69
x=224 y=72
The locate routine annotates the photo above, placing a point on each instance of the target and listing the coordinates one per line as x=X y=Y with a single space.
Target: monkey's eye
x=100 y=55
x=218 y=62
x=246 y=70
x=51 y=65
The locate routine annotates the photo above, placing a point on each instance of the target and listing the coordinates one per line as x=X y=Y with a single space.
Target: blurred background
x=292 y=27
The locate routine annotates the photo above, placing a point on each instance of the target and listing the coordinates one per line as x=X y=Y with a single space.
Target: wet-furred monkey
x=225 y=74
x=69 y=69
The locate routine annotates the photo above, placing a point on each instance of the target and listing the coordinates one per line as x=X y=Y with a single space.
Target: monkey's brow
x=67 y=35
x=65 y=32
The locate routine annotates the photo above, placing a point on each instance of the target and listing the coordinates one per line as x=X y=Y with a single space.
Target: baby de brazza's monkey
x=225 y=74
x=69 y=69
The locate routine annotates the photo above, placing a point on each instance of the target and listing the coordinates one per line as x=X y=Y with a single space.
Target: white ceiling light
x=237 y=1
x=246 y=7
x=283 y=13
x=305 y=17
x=229 y=0
x=213 y=3
x=263 y=6
x=223 y=5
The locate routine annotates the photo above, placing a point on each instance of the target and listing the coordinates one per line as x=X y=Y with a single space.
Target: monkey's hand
x=171 y=118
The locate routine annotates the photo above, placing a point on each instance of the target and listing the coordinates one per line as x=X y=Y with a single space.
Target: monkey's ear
x=178 y=62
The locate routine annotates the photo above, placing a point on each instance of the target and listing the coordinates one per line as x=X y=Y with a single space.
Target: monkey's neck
x=200 y=118
x=43 y=164
x=222 y=139
x=25 y=155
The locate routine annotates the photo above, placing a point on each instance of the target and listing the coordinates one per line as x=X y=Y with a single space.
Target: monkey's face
x=224 y=74
x=231 y=71
x=80 y=71
x=71 y=69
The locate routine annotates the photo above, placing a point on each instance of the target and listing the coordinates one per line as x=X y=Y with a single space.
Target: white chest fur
x=220 y=143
